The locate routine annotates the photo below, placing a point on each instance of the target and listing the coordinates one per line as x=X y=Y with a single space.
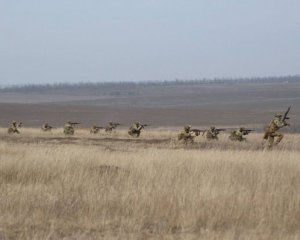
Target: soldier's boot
x=279 y=138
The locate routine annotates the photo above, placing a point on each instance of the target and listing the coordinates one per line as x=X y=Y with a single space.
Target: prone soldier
x=136 y=128
x=13 y=128
x=271 y=132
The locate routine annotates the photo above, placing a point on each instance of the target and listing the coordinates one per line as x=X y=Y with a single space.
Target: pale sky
x=138 y=40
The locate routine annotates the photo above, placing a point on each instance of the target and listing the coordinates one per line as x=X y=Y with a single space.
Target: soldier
x=69 y=128
x=46 y=127
x=212 y=133
x=271 y=132
x=13 y=128
x=95 y=129
x=237 y=135
x=111 y=126
x=186 y=135
x=135 y=129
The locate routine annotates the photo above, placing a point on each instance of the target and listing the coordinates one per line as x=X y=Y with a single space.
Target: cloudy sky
x=138 y=40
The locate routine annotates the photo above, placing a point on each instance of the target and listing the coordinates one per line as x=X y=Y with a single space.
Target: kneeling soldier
x=13 y=128
x=186 y=135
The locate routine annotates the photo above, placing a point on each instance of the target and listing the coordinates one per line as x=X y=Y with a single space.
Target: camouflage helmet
x=242 y=129
x=137 y=123
x=279 y=115
x=187 y=127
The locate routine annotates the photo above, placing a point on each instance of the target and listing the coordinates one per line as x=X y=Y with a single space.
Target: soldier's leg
x=270 y=141
x=279 y=138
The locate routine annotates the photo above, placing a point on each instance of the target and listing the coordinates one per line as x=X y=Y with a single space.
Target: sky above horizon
x=146 y=40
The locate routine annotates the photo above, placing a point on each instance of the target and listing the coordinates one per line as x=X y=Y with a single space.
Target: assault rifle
x=198 y=131
x=220 y=130
x=74 y=123
x=285 y=117
x=96 y=127
x=247 y=131
x=114 y=125
x=145 y=125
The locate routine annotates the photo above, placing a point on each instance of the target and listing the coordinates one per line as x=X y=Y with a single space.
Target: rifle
x=114 y=125
x=74 y=123
x=220 y=129
x=285 y=117
x=198 y=131
x=145 y=125
x=96 y=127
x=247 y=131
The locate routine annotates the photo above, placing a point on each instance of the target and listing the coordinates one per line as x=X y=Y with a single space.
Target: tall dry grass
x=53 y=190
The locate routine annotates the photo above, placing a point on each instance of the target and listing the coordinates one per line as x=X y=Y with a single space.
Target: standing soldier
x=237 y=135
x=212 y=133
x=271 y=132
x=69 y=128
x=46 y=127
x=186 y=135
x=136 y=128
x=13 y=128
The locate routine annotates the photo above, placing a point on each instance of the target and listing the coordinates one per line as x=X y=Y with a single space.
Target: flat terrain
x=161 y=105
x=117 y=187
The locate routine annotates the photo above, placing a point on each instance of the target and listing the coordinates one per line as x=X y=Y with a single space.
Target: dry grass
x=113 y=187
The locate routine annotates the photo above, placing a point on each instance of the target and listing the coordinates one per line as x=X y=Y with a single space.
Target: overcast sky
x=49 y=41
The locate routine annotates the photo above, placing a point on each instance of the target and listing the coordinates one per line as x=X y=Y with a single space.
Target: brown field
x=116 y=187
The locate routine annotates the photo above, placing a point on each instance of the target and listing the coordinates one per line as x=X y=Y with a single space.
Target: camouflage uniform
x=237 y=135
x=13 y=128
x=110 y=127
x=46 y=127
x=271 y=131
x=135 y=129
x=94 y=129
x=186 y=135
x=212 y=134
x=68 y=128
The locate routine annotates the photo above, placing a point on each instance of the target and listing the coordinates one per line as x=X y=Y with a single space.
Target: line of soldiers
x=187 y=135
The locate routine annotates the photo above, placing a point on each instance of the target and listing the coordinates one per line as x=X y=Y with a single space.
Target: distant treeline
x=177 y=82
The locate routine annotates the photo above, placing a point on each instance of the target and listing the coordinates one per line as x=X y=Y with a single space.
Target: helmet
x=242 y=129
x=279 y=115
x=187 y=127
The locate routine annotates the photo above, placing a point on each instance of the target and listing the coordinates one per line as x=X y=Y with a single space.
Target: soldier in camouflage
x=271 y=132
x=95 y=129
x=135 y=129
x=186 y=135
x=212 y=133
x=13 y=128
x=111 y=126
x=46 y=127
x=238 y=135
x=69 y=128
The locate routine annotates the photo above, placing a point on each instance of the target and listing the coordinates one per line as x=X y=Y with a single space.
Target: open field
x=116 y=187
x=165 y=104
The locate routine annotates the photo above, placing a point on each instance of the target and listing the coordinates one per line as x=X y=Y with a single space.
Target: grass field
x=116 y=187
